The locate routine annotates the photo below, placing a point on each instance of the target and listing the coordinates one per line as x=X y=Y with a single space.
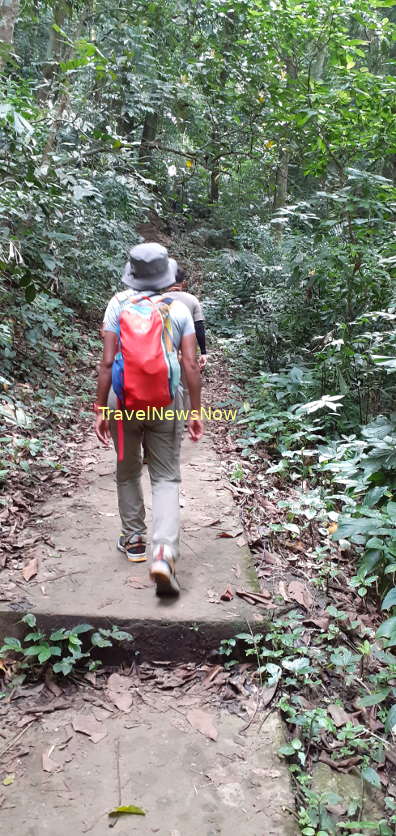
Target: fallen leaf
x=122 y=701
x=227 y=595
x=321 y=621
x=241 y=541
x=47 y=763
x=282 y=590
x=338 y=715
x=211 y=676
x=332 y=528
x=299 y=592
x=87 y=724
x=254 y=597
x=30 y=541
x=213 y=597
x=202 y=722
x=266 y=695
x=127 y=810
x=295 y=545
x=137 y=583
x=52 y=686
x=270 y=557
x=230 y=532
x=210 y=479
x=31 y=569
x=9 y=779
x=118 y=683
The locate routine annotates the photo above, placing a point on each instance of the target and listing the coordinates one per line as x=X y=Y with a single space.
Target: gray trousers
x=162 y=440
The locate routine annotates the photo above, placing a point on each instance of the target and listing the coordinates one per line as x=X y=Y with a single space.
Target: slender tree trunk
x=214 y=170
x=149 y=135
x=9 y=11
x=56 y=47
x=282 y=172
x=214 y=185
x=281 y=179
x=318 y=63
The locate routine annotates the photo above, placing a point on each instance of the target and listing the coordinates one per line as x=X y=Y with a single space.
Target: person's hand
x=102 y=429
x=203 y=361
x=195 y=428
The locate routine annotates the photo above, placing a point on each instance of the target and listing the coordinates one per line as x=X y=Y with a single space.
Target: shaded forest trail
x=77 y=576
x=171 y=730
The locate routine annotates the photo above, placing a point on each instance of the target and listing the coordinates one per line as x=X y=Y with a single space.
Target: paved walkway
x=151 y=757
x=188 y=785
x=85 y=578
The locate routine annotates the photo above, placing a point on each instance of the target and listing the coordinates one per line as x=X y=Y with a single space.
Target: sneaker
x=162 y=572
x=133 y=546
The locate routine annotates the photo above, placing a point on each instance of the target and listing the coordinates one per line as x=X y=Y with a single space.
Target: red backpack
x=146 y=370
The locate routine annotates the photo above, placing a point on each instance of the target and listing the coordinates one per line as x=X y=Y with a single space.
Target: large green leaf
x=389 y=600
x=371 y=776
x=387 y=630
x=374 y=699
x=390 y=722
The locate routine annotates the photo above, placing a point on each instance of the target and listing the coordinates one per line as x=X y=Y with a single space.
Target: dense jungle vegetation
x=261 y=134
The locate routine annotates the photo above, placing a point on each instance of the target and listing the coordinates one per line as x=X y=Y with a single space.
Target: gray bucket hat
x=149 y=268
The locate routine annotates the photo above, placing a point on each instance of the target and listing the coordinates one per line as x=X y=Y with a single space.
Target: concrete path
x=187 y=784
x=84 y=578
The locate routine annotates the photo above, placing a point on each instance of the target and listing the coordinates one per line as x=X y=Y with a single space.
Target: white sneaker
x=162 y=572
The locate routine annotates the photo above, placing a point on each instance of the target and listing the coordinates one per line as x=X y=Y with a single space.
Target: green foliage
x=293 y=668
x=284 y=157
x=63 y=650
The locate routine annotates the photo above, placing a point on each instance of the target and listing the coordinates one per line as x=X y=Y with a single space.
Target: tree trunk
x=214 y=168
x=214 y=185
x=149 y=134
x=318 y=63
x=56 y=46
x=282 y=174
x=9 y=11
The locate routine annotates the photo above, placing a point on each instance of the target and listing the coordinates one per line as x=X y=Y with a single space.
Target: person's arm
x=201 y=340
x=104 y=382
x=193 y=379
x=199 y=326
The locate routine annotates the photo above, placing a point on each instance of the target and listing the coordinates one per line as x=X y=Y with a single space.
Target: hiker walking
x=179 y=291
x=139 y=376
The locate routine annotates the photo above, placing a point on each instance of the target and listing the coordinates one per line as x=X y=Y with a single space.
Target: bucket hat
x=149 y=268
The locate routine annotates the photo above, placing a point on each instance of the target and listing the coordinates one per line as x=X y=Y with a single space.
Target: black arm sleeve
x=200 y=335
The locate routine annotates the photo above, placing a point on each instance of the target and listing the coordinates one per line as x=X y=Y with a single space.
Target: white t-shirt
x=182 y=322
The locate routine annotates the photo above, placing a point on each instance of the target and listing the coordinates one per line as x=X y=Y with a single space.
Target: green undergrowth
x=343 y=479
x=333 y=673
x=325 y=680
x=42 y=410
x=62 y=651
